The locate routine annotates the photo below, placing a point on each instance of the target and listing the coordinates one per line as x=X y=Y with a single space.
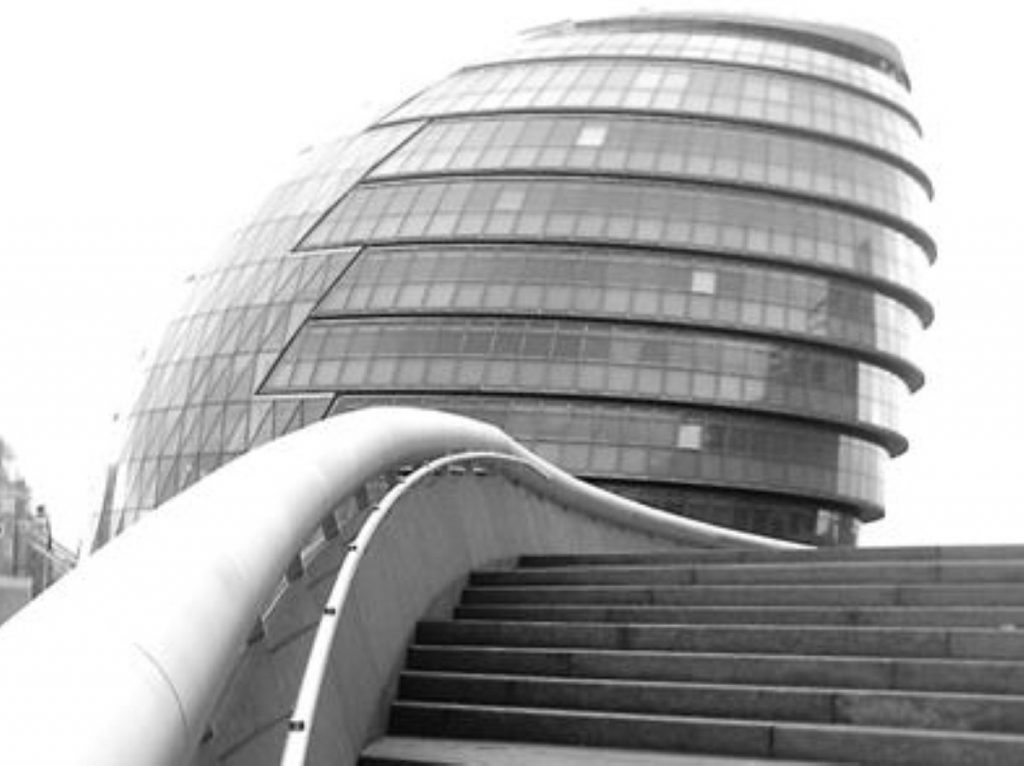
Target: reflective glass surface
x=589 y=359
x=692 y=89
x=615 y=441
x=685 y=261
x=653 y=214
x=722 y=48
x=637 y=286
x=662 y=148
x=806 y=522
x=196 y=409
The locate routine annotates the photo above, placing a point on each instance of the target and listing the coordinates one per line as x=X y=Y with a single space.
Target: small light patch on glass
x=648 y=78
x=510 y=200
x=703 y=282
x=689 y=436
x=592 y=135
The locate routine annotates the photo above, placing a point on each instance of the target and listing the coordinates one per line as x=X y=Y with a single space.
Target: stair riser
x=910 y=642
x=750 y=738
x=557 y=727
x=896 y=617
x=923 y=553
x=720 y=702
x=858 y=673
x=895 y=748
x=925 y=711
x=760 y=574
x=879 y=595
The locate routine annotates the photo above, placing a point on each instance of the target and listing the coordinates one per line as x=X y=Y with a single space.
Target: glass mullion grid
x=692 y=89
x=568 y=357
x=649 y=214
x=619 y=441
x=718 y=48
x=669 y=148
x=240 y=279
x=623 y=285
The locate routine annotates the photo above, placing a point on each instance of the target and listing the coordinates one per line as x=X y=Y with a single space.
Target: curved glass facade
x=720 y=47
x=696 y=90
x=629 y=286
x=682 y=261
x=622 y=145
x=599 y=211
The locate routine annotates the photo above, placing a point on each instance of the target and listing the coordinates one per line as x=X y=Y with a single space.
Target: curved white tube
x=122 y=661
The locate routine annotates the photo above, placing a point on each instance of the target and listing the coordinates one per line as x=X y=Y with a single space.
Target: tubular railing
x=301 y=723
x=123 y=661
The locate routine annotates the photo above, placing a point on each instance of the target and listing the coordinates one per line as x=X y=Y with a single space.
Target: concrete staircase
x=881 y=656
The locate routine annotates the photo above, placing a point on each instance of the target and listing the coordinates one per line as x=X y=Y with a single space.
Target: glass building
x=680 y=255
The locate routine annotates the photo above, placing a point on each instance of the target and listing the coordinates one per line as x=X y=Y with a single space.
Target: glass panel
x=762 y=453
x=604 y=360
x=726 y=222
x=675 y=148
x=632 y=285
x=710 y=90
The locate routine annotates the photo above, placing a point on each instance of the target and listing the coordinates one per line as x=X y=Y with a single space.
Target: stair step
x=821 y=573
x=749 y=595
x=882 y=656
x=961 y=712
x=689 y=734
x=967 y=676
x=431 y=751
x=685 y=555
x=859 y=641
x=1004 y=618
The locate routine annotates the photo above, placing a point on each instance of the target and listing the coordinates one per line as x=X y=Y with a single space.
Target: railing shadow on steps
x=157 y=650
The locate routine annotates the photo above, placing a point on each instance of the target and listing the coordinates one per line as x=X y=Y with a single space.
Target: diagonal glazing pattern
x=682 y=255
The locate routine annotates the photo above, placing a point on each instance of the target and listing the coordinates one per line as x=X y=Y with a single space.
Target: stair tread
x=869 y=672
x=766 y=565
x=724 y=587
x=699 y=686
x=731 y=628
x=914 y=553
x=956 y=609
x=753 y=594
x=767 y=656
x=1001 y=617
x=1001 y=630
x=901 y=655
x=733 y=722
x=430 y=750
x=700 y=734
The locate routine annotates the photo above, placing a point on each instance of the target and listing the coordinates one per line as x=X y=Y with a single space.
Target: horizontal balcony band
x=894 y=443
x=875 y=215
x=907 y=371
x=881 y=100
x=868 y=502
x=890 y=157
x=905 y=295
x=861 y=510
x=863 y=48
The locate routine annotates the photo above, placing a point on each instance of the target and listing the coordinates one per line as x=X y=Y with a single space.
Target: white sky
x=135 y=136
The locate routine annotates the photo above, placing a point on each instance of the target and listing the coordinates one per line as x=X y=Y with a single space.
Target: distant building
x=680 y=255
x=30 y=559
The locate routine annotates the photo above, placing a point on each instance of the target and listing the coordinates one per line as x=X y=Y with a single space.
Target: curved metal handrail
x=300 y=724
x=533 y=472
x=122 y=661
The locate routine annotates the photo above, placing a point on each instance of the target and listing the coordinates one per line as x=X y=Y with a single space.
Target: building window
x=703 y=282
x=689 y=436
x=510 y=200
x=592 y=135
